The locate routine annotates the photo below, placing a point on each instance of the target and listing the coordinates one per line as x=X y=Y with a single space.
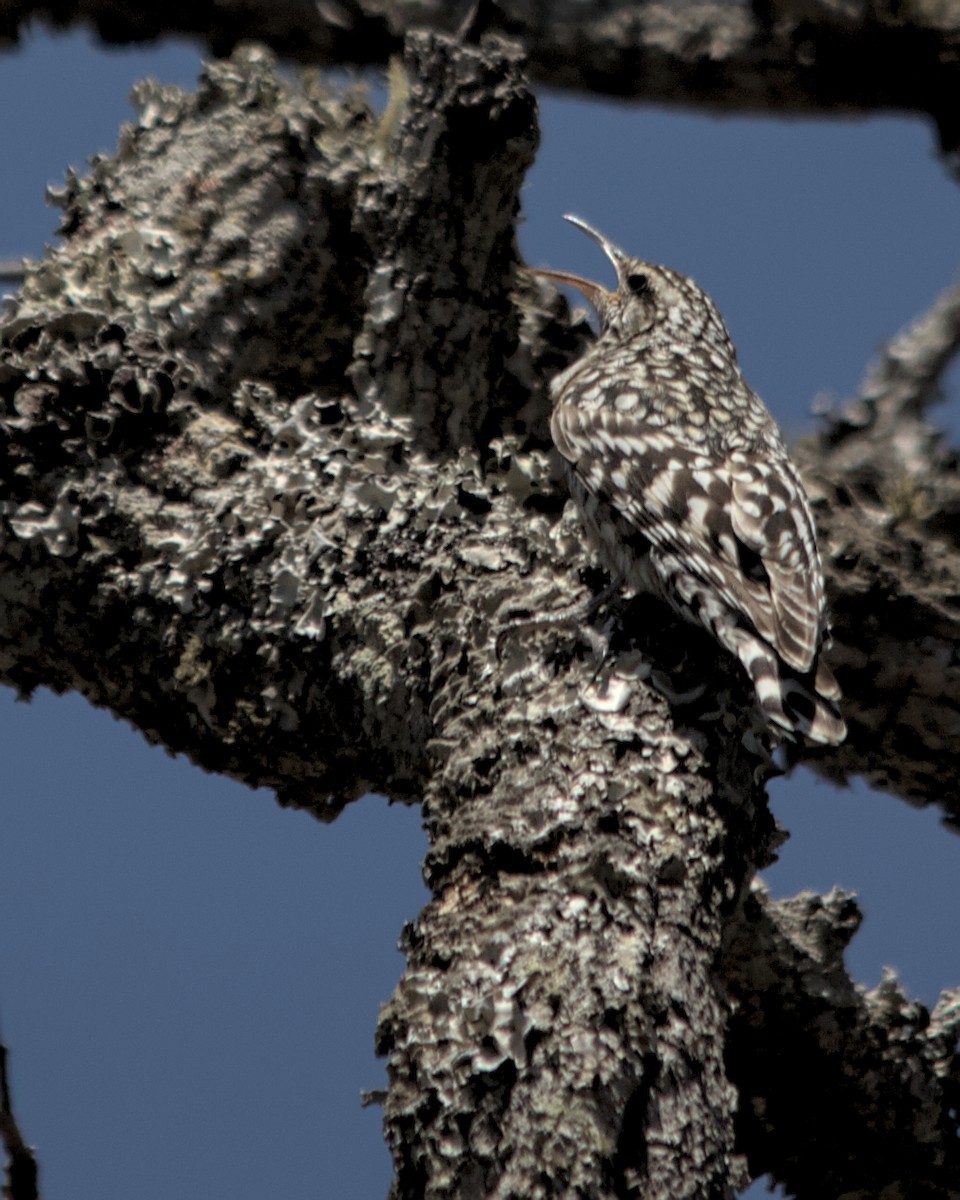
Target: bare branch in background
x=888 y=507
x=774 y=56
x=21 y=1170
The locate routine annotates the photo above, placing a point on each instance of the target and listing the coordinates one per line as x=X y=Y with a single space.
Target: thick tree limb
x=787 y=56
x=304 y=588
x=275 y=475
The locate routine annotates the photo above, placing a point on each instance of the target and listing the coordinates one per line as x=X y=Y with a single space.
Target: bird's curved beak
x=597 y=295
x=610 y=250
x=593 y=291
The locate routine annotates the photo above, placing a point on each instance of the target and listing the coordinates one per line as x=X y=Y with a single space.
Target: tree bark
x=278 y=488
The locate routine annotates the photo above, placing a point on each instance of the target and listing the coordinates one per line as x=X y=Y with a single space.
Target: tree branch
x=304 y=588
x=785 y=56
x=842 y=1091
x=21 y=1170
x=888 y=508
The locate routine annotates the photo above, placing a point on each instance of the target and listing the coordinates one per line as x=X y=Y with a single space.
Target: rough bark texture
x=276 y=480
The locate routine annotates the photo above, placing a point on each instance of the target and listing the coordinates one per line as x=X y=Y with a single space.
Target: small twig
x=11 y=270
x=21 y=1182
x=917 y=357
x=904 y=381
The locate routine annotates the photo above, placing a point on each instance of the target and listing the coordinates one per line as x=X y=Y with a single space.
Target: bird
x=686 y=489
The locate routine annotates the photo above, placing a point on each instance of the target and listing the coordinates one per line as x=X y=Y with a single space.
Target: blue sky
x=191 y=974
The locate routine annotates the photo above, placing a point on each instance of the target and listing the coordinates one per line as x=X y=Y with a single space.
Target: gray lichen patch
x=222 y=224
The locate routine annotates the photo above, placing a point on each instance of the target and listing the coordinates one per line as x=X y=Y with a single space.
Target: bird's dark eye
x=638 y=284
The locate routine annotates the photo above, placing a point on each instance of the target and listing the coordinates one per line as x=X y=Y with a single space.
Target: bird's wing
x=769 y=515
x=738 y=524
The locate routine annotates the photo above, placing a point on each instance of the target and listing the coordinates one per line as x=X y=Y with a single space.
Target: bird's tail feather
x=804 y=704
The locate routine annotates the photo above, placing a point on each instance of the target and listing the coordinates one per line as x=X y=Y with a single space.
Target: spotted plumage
x=685 y=485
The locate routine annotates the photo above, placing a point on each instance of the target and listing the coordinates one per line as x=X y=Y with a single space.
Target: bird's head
x=646 y=297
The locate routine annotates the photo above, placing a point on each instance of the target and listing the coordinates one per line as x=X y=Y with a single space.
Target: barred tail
x=800 y=704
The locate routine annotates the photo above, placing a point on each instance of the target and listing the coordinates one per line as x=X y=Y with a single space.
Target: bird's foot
x=575 y=617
